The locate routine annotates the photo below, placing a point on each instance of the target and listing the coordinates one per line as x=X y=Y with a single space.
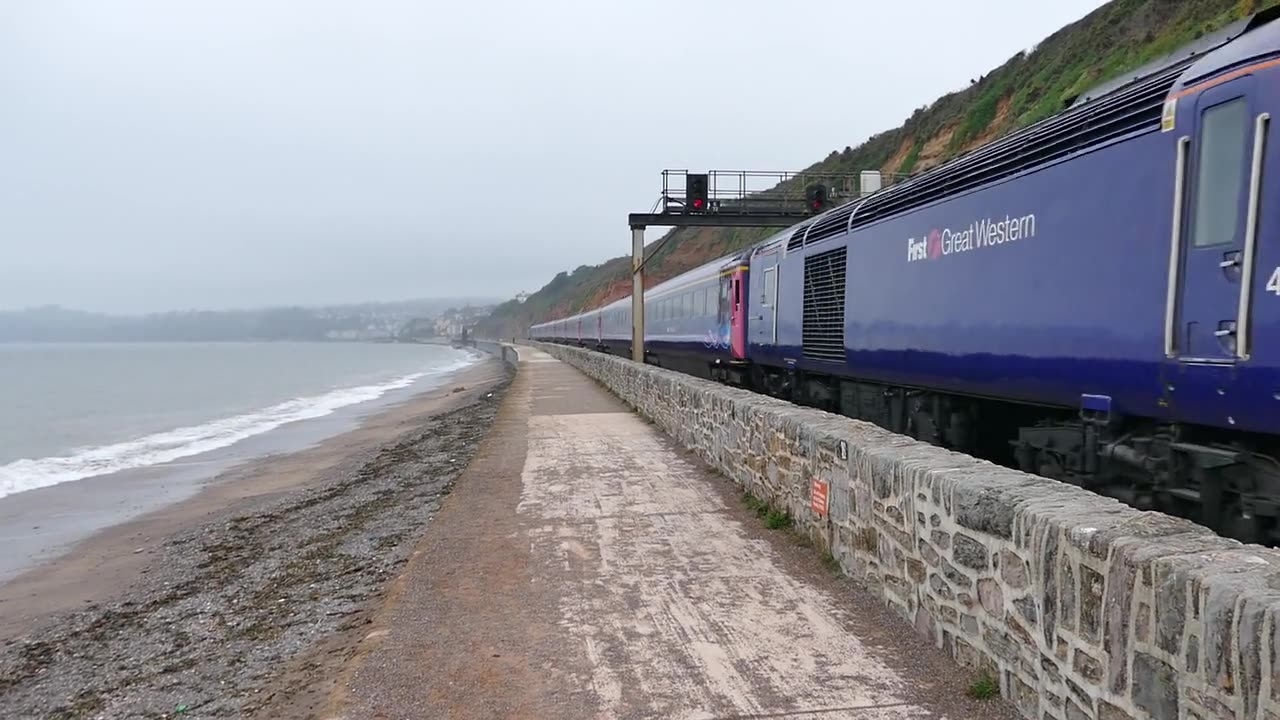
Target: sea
x=76 y=412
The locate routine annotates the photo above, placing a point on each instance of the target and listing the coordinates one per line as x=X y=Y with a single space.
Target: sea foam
x=170 y=445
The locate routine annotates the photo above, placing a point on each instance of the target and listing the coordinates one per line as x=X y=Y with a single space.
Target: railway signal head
x=695 y=186
x=817 y=197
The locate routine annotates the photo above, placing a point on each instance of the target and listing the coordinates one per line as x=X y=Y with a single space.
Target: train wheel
x=1239 y=522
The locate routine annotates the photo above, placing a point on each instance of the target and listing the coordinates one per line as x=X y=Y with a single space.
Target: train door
x=763 y=300
x=1220 y=173
x=738 y=338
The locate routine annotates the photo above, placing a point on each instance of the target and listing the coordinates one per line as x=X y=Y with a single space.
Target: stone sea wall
x=1082 y=607
x=506 y=352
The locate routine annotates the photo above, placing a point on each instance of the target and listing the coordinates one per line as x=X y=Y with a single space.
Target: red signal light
x=696 y=195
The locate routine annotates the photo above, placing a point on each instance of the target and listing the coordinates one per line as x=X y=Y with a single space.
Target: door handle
x=1226 y=335
x=1231 y=264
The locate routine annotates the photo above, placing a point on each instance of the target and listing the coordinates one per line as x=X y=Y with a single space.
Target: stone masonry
x=1084 y=608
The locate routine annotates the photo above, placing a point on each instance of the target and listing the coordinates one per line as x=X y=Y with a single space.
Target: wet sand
x=202 y=602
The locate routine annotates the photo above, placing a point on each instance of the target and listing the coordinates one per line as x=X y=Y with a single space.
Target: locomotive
x=1095 y=298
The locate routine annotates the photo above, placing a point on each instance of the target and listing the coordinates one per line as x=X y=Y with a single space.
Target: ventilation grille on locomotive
x=832 y=224
x=823 y=327
x=797 y=237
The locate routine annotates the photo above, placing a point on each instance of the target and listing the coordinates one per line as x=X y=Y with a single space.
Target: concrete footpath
x=586 y=567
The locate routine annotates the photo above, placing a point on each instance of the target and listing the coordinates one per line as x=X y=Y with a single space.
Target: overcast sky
x=165 y=154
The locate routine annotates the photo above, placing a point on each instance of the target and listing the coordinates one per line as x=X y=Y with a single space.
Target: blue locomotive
x=1095 y=298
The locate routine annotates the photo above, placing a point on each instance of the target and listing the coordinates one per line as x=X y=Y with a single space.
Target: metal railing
x=763 y=190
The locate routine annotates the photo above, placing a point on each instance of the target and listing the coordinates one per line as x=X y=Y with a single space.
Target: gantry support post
x=637 y=293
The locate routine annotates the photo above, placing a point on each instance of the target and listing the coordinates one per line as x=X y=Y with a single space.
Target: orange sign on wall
x=818 y=498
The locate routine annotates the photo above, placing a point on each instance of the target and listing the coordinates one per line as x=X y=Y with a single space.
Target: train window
x=700 y=303
x=1220 y=178
x=686 y=305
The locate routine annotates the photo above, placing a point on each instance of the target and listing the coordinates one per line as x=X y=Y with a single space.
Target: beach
x=225 y=602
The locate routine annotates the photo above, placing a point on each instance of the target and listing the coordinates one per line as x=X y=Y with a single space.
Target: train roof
x=702 y=272
x=1241 y=42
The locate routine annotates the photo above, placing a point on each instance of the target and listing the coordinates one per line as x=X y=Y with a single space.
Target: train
x=1094 y=299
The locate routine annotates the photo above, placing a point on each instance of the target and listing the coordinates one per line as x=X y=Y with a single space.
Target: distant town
x=413 y=320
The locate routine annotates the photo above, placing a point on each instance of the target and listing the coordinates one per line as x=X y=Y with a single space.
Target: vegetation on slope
x=1116 y=38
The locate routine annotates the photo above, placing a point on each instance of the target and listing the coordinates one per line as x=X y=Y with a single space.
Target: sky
x=161 y=155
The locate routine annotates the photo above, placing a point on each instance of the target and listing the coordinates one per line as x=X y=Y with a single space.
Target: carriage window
x=769 y=287
x=1224 y=133
x=686 y=304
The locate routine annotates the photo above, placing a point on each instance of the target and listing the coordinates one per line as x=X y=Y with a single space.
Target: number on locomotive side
x=1273 y=285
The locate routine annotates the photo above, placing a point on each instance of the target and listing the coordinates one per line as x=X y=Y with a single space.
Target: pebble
x=131 y=657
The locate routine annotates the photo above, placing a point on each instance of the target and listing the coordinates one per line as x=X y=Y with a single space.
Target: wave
x=163 y=447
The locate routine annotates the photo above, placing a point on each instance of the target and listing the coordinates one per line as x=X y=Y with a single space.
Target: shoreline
x=107 y=560
x=242 y=583
x=39 y=525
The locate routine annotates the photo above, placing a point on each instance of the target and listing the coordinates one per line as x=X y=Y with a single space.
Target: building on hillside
x=452 y=321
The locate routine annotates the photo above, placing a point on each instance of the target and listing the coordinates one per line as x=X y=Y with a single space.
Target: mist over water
x=78 y=411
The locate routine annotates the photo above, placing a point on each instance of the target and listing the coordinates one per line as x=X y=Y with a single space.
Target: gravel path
x=242 y=615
